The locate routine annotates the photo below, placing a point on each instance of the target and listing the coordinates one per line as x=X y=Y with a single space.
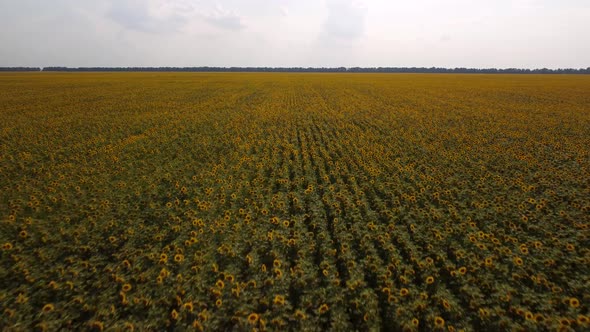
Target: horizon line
x=355 y=69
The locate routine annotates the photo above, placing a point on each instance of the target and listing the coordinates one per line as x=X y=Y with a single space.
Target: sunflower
x=198 y=326
x=574 y=303
x=446 y=304
x=278 y=273
x=220 y=284
x=300 y=315
x=484 y=313
x=439 y=322
x=253 y=318
x=21 y=298
x=429 y=280
x=48 y=308
x=279 y=300
x=97 y=325
x=123 y=298
x=323 y=308
x=230 y=278
x=564 y=322
x=404 y=292
x=10 y=313
x=129 y=326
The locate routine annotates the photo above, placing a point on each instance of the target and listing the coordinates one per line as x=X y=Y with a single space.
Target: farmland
x=151 y=201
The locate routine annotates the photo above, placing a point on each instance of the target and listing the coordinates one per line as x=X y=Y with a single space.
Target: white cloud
x=284 y=10
x=140 y=16
x=345 y=20
x=166 y=16
x=224 y=18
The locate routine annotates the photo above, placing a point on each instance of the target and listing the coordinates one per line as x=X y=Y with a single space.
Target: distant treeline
x=20 y=69
x=310 y=70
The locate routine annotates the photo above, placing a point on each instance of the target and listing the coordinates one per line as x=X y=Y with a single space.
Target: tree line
x=20 y=69
x=309 y=70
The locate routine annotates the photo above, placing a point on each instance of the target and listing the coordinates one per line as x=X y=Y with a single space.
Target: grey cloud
x=345 y=21
x=169 y=16
x=227 y=22
x=135 y=15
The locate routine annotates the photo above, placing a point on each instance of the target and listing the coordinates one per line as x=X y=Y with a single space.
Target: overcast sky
x=285 y=33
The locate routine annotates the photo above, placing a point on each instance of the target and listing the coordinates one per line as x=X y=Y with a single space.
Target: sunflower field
x=342 y=202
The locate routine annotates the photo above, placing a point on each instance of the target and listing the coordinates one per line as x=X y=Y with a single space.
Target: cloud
x=145 y=16
x=284 y=11
x=445 y=38
x=345 y=20
x=165 y=16
x=223 y=18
